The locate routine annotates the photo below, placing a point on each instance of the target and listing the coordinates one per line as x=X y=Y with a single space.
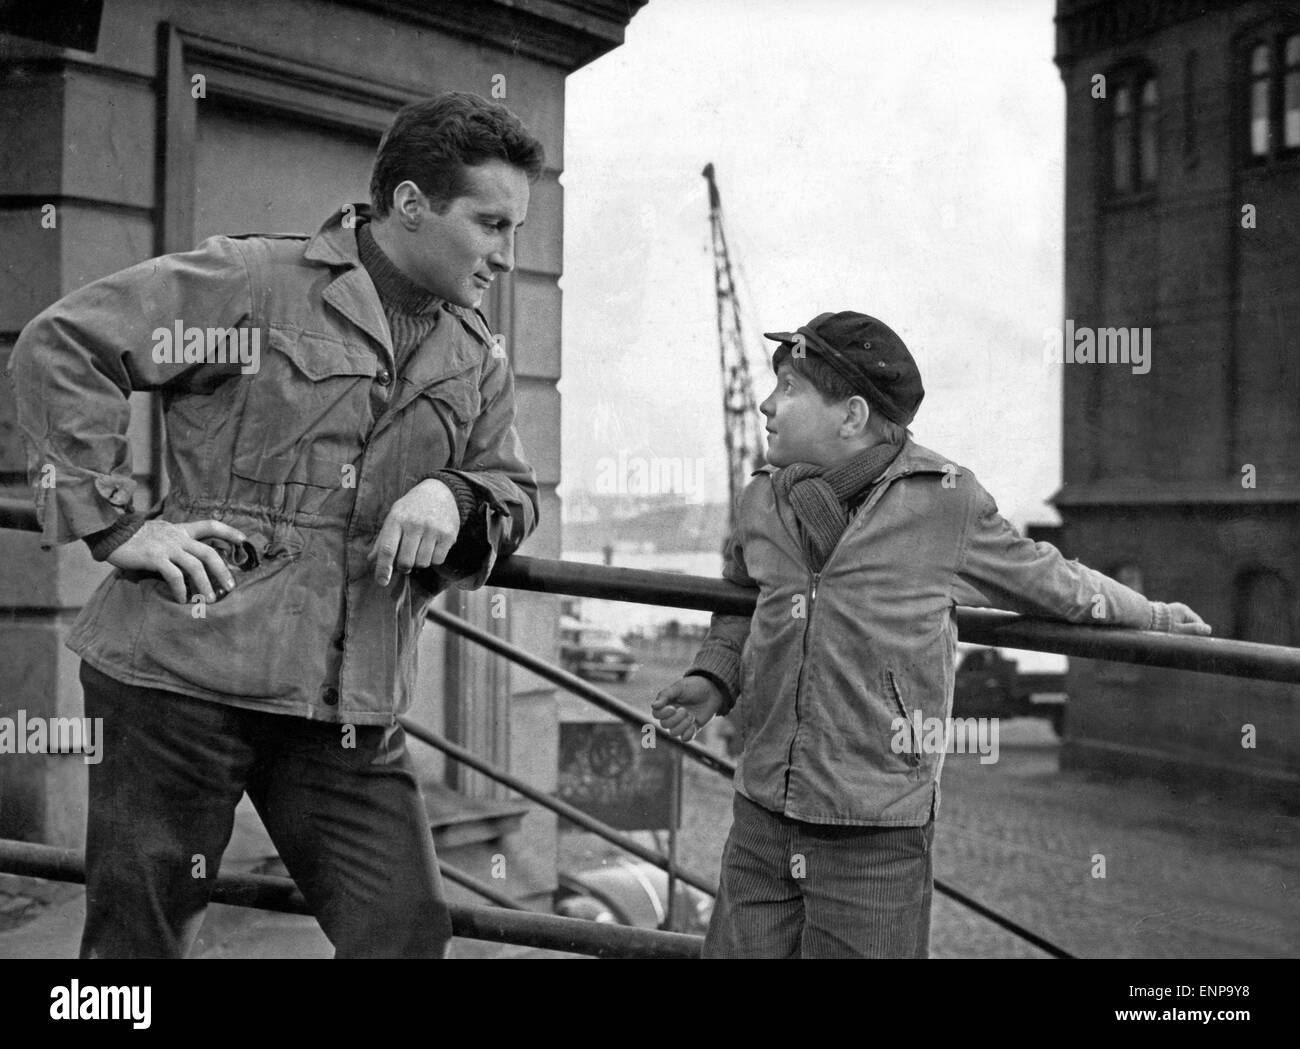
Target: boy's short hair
x=432 y=142
x=834 y=387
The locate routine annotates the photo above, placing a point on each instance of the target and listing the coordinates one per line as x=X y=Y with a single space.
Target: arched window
x=1261 y=94
x=1121 y=132
x=1263 y=608
x=1291 y=94
x=1148 y=139
x=1134 y=130
x=1273 y=96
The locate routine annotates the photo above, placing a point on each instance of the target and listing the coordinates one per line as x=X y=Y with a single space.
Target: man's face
x=457 y=254
x=801 y=426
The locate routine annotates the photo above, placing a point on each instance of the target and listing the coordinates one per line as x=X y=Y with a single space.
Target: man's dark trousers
x=349 y=824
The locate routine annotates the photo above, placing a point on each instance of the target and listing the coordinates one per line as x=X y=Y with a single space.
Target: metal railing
x=494 y=924
x=630 y=715
x=1205 y=655
x=974 y=625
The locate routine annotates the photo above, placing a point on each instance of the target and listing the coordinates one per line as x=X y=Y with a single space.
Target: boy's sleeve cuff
x=1161 y=617
x=722 y=667
x=104 y=542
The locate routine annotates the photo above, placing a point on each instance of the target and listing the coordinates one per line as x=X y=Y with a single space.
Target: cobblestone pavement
x=1190 y=875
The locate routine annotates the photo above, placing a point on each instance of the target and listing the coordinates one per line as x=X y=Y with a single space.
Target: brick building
x=1183 y=479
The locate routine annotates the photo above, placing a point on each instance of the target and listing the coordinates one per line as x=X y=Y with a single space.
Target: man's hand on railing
x=1177 y=618
x=686 y=706
x=421 y=527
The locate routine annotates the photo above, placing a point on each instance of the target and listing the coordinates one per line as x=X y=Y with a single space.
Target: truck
x=1009 y=683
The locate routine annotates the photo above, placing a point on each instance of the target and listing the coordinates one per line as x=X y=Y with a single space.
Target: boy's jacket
x=829 y=661
x=291 y=453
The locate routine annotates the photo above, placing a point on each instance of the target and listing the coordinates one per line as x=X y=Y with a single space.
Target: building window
x=1291 y=94
x=1134 y=132
x=1131 y=576
x=1190 y=103
x=1121 y=132
x=1273 y=77
x=1263 y=609
x=1148 y=139
x=1261 y=121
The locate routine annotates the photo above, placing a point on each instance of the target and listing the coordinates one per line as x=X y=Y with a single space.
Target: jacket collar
x=351 y=292
x=917 y=459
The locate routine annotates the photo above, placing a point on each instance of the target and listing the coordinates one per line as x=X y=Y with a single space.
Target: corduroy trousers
x=791 y=889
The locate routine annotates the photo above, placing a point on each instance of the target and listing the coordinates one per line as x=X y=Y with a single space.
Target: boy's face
x=801 y=426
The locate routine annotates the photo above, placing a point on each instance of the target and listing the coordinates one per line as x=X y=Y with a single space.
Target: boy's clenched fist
x=686 y=706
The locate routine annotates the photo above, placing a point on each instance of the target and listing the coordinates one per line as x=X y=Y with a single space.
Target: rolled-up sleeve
x=75 y=365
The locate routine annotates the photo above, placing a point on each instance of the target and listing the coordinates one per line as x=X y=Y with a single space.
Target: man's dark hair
x=432 y=142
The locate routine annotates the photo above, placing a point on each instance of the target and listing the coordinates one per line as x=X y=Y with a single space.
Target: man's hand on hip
x=420 y=529
x=174 y=552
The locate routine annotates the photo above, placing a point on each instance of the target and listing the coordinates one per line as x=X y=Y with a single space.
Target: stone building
x=144 y=126
x=1182 y=468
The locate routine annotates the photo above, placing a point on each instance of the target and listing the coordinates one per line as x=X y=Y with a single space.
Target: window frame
x=1274 y=39
x=1141 y=128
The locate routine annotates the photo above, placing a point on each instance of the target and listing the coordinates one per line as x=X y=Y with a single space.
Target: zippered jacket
x=839 y=672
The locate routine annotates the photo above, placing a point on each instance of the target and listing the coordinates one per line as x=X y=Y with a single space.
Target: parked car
x=591 y=651
x=623 y=891
x=1010 y=683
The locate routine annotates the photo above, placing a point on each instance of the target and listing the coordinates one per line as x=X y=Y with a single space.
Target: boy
x=860 y=543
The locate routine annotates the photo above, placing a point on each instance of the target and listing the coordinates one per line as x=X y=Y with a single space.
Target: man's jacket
x=304 y=451
x=835 y=667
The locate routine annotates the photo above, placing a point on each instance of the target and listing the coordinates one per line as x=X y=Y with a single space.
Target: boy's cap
x=867 y=353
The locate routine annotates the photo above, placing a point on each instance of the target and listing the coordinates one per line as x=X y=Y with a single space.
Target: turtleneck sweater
x=412 y=313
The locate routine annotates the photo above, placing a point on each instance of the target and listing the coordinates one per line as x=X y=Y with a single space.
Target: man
x=341 y=446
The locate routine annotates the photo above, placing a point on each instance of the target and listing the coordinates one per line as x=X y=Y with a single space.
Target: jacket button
x=330 y=696
x=384 y=377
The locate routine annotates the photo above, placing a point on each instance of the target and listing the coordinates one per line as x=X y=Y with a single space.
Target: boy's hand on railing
x=686 y=706
x=1177 y=618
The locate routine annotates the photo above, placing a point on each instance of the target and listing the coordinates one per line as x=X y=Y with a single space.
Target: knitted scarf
x=820 y=496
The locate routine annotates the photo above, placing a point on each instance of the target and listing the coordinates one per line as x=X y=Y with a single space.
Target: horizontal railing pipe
x=628 y=713
x=571 y=682
x=19 y=515
x=1205 y=655
x=978 y=626
x=480 y=888
x=494 y=924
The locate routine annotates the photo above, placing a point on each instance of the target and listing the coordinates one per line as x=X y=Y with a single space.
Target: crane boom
x=739 y=407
